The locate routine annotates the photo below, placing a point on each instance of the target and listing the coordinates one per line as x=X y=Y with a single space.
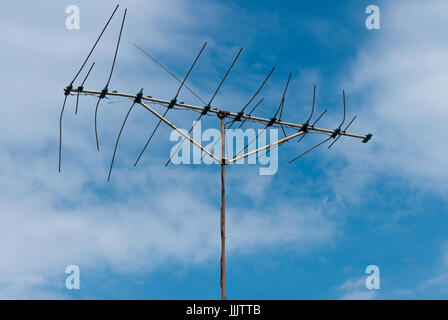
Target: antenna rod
x=250 y=113
x=167 y=70
x=312 y=126
x=306 y=124
x=241 y=113
x=272 y=121
x=60 y=128
x=256 y=93
x=103 y=93
x=336 y=133
x=171 y=105
x=118 y=139
x=69 y=88
x=188 y=73
x=343 y=119
x=225 y=76
x=207 y=106
x=138 y=99
x=341 y=135
x=96 y=42
x=283 y=104
x=81 y=87
x=301 y=155
x=312 y=108
x=300 y=139
x=241 y=124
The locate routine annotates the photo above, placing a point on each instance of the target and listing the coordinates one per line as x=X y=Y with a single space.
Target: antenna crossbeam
x=217 y=111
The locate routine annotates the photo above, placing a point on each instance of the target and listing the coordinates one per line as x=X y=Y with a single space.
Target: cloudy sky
x=152 y=232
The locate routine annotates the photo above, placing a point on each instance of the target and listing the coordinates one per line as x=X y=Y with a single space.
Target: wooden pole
x=223 y=211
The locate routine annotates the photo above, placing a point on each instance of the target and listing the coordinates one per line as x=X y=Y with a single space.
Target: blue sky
x=307 y=232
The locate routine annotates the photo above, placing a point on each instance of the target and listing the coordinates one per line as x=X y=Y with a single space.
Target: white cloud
x=144 y=218
x=41 y=234
x=398 y=82
x=147 y=217
x=438 y=283
x=355 y=289
x=397 y=85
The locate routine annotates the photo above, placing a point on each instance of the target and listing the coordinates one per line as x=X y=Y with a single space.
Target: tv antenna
x=300 y=129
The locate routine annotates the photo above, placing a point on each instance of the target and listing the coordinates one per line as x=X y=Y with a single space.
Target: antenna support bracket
x=367 y=138
x=336 y=132
x=172 y=103
x=103 y=93
x=223 y=113
x=139 y=96
x=305 y=127
x=239 y=116
x=206 y=109
x=271 y=122
x=68 y=89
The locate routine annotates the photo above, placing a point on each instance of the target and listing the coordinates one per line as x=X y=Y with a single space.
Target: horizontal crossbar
x=221 y=112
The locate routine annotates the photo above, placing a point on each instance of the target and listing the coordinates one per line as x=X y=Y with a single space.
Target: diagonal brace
x=266 y=146
x=186 y=136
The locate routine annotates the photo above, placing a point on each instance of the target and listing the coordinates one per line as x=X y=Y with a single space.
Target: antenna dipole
x=170 y=105
x=272 y=120
x=106 y=87
x=69 y=88
x=208 y=106
x=241 y=113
